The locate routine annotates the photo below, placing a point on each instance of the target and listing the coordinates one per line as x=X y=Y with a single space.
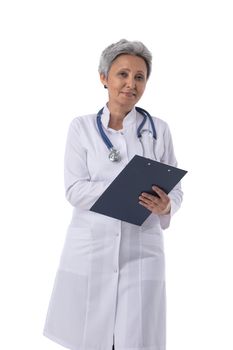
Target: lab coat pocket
x=77 y=250
x=152 y=254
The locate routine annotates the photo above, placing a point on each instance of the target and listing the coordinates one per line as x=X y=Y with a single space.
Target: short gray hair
x=135 y=48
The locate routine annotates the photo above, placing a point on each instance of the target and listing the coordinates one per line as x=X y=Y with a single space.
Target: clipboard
x=120 y=199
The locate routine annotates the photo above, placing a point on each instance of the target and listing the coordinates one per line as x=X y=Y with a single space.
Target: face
x=126 y=81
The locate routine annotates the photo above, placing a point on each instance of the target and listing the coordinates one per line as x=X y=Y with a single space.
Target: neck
x=117 y=115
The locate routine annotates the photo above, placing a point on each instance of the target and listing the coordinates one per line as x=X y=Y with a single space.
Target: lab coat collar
x=128 y=120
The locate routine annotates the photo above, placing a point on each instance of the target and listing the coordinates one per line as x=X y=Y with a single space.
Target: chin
x=129 y=101
x=128 y=105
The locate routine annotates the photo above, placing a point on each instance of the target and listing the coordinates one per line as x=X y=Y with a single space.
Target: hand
x=157 y=205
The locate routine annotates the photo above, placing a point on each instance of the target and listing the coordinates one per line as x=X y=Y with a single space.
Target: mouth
x=129 y=94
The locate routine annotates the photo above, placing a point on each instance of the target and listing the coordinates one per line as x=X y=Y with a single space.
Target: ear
x=103 y=79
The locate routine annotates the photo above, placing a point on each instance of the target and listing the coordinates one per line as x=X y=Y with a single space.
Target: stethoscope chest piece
x=114 y=155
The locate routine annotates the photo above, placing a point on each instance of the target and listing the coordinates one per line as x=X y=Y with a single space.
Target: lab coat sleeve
x=80 y=191
x=176 y=195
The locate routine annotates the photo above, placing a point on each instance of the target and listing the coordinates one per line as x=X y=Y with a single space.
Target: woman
x=110 y=284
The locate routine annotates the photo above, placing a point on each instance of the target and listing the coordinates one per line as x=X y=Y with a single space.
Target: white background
x=49 y=58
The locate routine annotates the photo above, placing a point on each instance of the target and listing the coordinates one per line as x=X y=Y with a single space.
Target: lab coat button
x=115 y=270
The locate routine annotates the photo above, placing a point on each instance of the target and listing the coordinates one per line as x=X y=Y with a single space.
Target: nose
x=130 y=82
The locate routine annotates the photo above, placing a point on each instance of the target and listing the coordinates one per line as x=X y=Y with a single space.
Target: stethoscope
x=114 y=154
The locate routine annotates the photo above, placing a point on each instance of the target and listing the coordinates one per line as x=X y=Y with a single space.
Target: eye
x=123 y=74
x=140 y=77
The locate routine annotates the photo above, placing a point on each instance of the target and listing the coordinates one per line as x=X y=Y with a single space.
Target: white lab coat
x=111 y=277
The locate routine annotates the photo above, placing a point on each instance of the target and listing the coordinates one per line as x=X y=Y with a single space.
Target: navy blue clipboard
x=120 y=199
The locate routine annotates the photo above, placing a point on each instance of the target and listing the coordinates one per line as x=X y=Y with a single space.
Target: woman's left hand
x=157 y=205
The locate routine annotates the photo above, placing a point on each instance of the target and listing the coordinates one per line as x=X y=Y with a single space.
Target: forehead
x=129 y=62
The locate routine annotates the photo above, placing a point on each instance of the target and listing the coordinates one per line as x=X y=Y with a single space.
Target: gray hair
x=135 y=48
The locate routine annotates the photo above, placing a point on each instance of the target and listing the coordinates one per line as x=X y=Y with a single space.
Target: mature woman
x=110 y=284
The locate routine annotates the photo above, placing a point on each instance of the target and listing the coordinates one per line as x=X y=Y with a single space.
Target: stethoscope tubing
x=145 y=115
x=106 y=140
x=142 y=111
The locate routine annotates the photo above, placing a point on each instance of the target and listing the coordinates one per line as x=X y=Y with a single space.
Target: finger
x=165 y=203
x=152 y=207
x=148 y=201
x=151 y=197
x=163 y=195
